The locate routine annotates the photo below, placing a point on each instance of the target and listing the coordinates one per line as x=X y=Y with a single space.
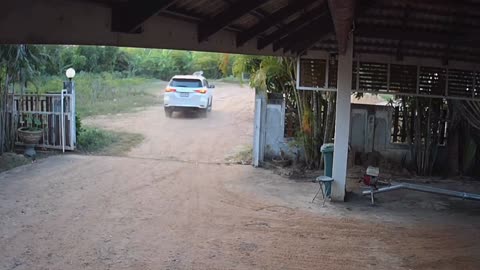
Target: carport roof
x=443 y=29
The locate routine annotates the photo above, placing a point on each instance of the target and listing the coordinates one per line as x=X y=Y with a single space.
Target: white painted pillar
x=342 y=122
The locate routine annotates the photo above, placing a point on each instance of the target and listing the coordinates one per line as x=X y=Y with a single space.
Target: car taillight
x=201 y=91
x=168 y=90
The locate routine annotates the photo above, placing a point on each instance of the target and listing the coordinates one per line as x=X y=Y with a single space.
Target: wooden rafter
x=271 y=20
x=309 y=41
x=234 y=12
x=128 y=17
x=467 y=39
x=320 y=33
x=311 y=34
x=405 y=17
x=343 y=13
x=453 y=29
x=293 y=26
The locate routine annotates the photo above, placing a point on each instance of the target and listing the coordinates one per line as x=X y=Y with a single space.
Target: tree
x=277 y=75
x=209 y=63
x=19 y=65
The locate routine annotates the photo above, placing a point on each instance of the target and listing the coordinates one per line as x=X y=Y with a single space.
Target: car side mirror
x=211 y=86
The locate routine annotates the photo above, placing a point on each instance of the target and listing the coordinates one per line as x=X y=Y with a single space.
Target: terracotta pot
x=29 y=136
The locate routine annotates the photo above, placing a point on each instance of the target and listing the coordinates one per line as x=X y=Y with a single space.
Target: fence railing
x=56 y=113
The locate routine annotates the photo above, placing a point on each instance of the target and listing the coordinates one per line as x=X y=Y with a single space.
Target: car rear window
x=186 y=83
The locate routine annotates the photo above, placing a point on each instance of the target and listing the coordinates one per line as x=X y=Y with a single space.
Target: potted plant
x=33 y=132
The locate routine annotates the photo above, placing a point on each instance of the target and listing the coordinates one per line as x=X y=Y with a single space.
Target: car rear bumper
x=199 y=102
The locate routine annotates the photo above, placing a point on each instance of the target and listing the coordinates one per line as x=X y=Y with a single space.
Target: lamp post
x=70 y=73
x=69 y=86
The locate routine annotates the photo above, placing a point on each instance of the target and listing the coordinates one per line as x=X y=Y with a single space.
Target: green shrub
x=106 y=142
x=94 y=140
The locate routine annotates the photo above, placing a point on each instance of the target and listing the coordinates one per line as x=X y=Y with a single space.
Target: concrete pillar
x=342 y=122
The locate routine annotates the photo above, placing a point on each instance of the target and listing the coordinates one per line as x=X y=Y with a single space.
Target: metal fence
x=56 y=113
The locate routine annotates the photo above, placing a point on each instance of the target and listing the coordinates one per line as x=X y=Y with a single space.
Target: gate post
x=259 y=128
x=70 y=87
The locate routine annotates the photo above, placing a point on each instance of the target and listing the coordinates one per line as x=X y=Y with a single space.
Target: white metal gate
x=56 y=113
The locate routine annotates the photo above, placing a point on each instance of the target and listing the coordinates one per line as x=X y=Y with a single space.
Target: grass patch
x=243 y=155
x=120 y=105
x=105 y=93
x=106 y=142
x=147 y=94
x=11 y=160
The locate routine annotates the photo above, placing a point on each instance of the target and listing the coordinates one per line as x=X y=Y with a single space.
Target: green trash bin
x=327 y=151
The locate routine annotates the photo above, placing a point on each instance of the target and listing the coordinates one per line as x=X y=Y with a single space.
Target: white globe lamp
x=70 y=73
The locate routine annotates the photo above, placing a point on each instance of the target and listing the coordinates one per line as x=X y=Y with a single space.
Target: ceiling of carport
x=442 y=29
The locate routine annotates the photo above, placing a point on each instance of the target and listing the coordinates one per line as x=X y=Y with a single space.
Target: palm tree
x=314 y=113
x=18 y=65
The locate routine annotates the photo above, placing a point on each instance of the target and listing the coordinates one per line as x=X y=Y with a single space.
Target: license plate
x=184 y=94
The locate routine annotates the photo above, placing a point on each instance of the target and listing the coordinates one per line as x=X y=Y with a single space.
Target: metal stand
x=322 y=180
x=323 y=193
x=372 y=195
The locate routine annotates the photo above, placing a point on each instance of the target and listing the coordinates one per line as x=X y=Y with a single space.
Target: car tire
x=210 y=106
x=204 y=113
x=168 y=113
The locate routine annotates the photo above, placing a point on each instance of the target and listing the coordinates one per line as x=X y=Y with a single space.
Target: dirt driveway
x=171 y=203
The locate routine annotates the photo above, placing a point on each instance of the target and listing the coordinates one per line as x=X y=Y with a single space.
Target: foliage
x=109 y=79
x=92 y=139
x=243 y=155
x=78 y=125
x=19 y=64
x=9 y=161
x=277 y=75
x=107 y=93
x=33 y=122
x=131 y=62
x=98 y=141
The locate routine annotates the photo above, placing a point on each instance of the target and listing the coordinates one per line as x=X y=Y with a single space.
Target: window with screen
x=312 y=73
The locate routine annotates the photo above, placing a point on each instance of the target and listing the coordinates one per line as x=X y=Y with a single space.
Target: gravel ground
x=173 y=203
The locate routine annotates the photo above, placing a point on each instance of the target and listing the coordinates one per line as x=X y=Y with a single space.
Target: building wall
x=370 y=132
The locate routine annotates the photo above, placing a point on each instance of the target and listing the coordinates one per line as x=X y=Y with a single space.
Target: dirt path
x=169 y=204
x=187 y=137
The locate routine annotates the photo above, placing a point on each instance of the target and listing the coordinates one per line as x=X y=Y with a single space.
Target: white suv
x=188 y=92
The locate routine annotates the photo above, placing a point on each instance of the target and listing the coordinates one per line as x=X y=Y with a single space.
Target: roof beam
x=293 y=26
x=310 y=29
x=225 y=18
x=310 y=40
x=271 y=20
x=454 y=29
x=343 y=13
x=470 y=39
x=311 y=35
x=129 y=17
x=423 y=54
x=405 y=17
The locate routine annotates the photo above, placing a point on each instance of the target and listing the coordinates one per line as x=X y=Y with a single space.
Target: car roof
x=188 y=77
